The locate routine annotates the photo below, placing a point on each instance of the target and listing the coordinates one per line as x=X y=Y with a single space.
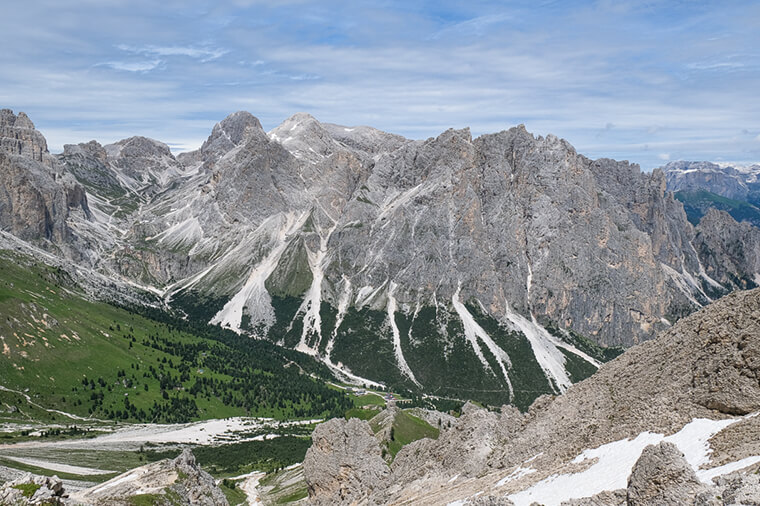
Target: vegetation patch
x=297 y=495
x=364 y=344
x=27 y=489
x=239 y=458
x=292 y=276
x=361 y=413
x=406 y=429
x=697 y=203
x=234 y=495
x=577 y=368
x=583 y=343
x=140 y=364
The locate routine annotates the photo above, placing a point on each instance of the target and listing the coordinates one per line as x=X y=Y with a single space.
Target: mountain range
x=497 y=268
x=703 y=185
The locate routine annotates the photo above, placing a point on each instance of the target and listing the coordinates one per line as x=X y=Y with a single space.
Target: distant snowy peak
x=729 y=180
x=746 y=172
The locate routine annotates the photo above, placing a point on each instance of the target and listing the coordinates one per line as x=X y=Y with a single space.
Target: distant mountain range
x=704 y=185
x=497 y=268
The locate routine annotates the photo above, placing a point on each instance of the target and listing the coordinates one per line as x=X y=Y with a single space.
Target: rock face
x=344 y=464
x=730 y=251
x=422 y=245
x=37 y=196
x=662 y=476
x=737 y=488
x=19 y=137
x=449 y=258
x=177 y=481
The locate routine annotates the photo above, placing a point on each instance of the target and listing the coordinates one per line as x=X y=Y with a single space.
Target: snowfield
x=614 y=461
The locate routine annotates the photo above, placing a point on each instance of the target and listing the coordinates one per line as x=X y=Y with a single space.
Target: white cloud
x=203 y=54
x=716 y=66
x=664 y=156
x=140 y=66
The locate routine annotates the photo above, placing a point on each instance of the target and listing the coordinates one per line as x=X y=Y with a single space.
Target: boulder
x=662 y=476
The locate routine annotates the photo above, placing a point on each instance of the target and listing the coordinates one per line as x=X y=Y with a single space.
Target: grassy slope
x=53 y=338
x=408 y=428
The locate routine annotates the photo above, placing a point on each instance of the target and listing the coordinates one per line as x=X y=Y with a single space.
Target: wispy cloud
x=716 y=66
x=202 y=54
x=138 y=66
x=631 y=80
x=474 y=27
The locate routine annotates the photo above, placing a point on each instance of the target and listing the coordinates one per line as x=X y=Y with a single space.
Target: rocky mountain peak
x=235 y=130
x=18 y=136
x=365 y=139
x=141 y=163
x=92 y=148
x=137 y=147
x=730 y=250
x=305 y=138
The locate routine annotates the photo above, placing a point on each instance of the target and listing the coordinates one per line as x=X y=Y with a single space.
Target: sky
x=645 y=81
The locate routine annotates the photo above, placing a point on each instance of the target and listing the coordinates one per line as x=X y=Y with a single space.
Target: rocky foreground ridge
x=170 y=482
x=465 y=267
x=671 y=421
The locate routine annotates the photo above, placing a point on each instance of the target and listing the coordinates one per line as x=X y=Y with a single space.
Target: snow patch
x=614 y=462
x=707 y=475
x=516 y=475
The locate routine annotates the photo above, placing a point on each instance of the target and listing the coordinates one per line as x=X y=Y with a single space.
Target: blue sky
x=646 y=81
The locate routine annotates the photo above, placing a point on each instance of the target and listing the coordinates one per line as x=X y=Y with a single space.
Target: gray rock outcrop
x=344 y=464
x=662 y=476
x=32 y=490
x=736 y=488
x=19 y=137
x=177 y=482
x=730 y=251
x=606 y=498
x=37 y=196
